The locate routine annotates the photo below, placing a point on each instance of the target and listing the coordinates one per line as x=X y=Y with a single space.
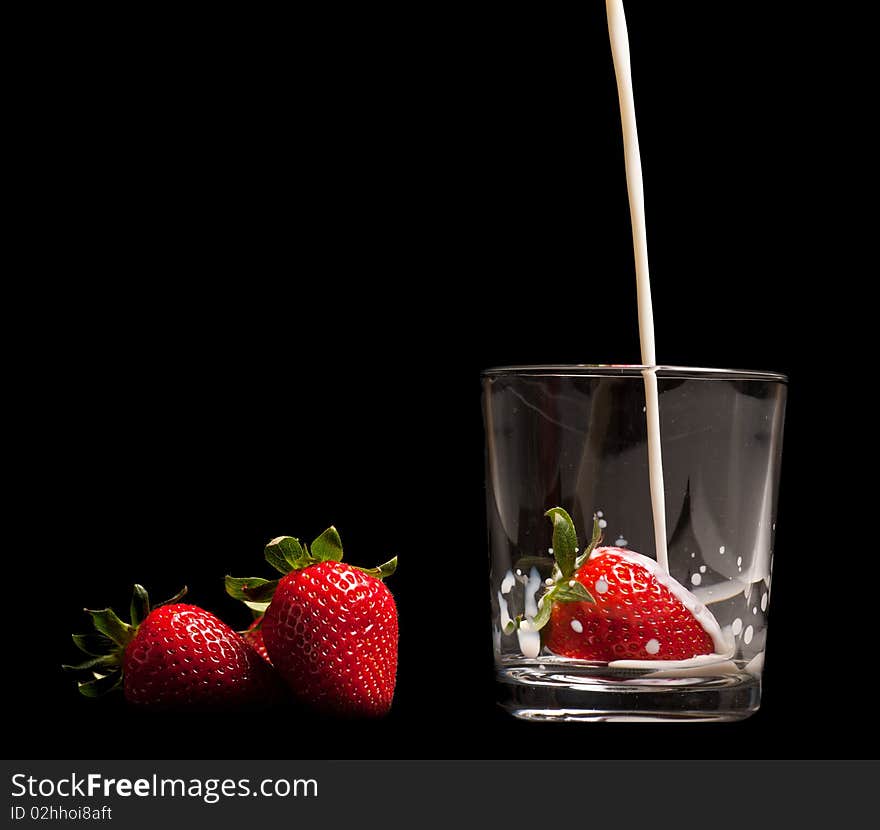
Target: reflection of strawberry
x=634 y=616
x=172 y=655
x=611 y=604
x=330 y=629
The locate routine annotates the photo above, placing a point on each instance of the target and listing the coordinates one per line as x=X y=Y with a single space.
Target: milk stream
x=633 y=163
x=723 y=639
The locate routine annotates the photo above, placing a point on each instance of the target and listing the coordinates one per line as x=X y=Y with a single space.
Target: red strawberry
x=331 y=628
x=635 y=615
x=611 y=604
x=254 y=635
x=174 y=655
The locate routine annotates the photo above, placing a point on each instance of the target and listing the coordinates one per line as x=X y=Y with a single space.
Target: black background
x=270 y=259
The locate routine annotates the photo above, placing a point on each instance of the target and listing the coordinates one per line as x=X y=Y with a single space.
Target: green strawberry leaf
x=261 y=593
x=251 y=589
x=95 y=645
x=561 y=592
x=597 y=534
x=258 y=608
x=564 y=540
x=276 y=559
x=101 y=685
x=140 y=605
x=385 y=569
x=543 y=616
x=286 y=554
x=596 y=538
x=108 y=661
x=513 y=624
x=571 y=591
x=176 y=598
x=109 y=624
x=535 y=624
x=328 y=546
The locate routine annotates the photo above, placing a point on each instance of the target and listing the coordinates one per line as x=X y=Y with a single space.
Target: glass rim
x=631 y=370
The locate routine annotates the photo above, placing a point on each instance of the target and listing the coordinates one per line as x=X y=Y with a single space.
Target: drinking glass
x=575 y=437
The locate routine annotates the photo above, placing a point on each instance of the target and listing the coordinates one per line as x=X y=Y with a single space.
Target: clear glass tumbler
x=575 y=437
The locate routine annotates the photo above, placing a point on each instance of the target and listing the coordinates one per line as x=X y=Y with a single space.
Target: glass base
x=554 y=693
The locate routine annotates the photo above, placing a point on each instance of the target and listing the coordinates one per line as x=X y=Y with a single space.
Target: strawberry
x=610 y=604
x=254 y=635
x=330 y=628
x=172 y=655
x=634 y=616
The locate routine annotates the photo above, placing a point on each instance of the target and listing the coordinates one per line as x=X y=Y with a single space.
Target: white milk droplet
x=620 y=542
x=550 y=551
x=548 y=582
x=508 y=582
x=696 y=579
x=529 y=642
x=702 y=569
x=737 y=627
x=599 y=514
x=749 y=633
x=756 y=665
x=529 y=639
x=505 y=614
x=652 y=646
x=693 y=556
x=518 y=572
x=531 y=590
x=764 y=602
x=577 y=627
x=603 y=524
x=739 y=561
x=601 y=586
x=755 y=610
x=721 y=550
